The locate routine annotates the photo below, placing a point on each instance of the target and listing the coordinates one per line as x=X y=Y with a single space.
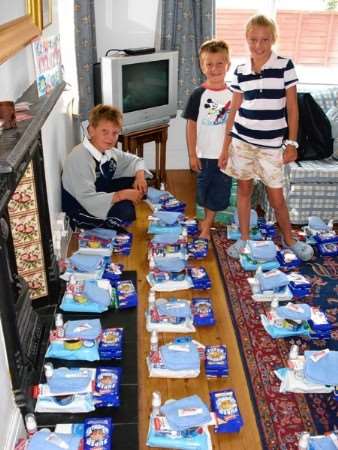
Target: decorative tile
x=23 y=200
x=25 y=229
x=29 y=257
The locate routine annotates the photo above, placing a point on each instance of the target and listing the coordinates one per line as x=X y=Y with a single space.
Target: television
x=143 y=87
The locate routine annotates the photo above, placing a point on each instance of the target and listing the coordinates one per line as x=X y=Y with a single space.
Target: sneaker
x=235 y=249
x=302 y=250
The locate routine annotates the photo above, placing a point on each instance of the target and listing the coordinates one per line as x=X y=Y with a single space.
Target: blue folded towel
x=165 y=238
x=272 y=280
x=324 y=370
x=322 y=443
x=96 y=294
x=262 y=250
x=46 y=440
x=70 y=305
x=294 y=314
x=174 y=308
x=154 y=195
x=180 y=356
x=164 y=229
x=83 y=329
x=316 y=223
x=174 y=412
x=253 y=218
x=168 y=217
x=86 y=263
x=68 y=380
x=170 y=264
x=102 y=233
x=276 y=332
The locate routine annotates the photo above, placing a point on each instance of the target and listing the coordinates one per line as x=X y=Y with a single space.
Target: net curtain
x=185 y=25
x=85 y=49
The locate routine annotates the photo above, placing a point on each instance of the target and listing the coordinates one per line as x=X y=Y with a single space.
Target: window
x=308 y=33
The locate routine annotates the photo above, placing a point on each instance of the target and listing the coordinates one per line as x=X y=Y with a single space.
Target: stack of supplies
x=170 y=315
x=84 y=267
x=98 y=434
x=92 y=296
x=322 y=235
x=198 y=248
x=200 y=278
x=97 y=241
x=110 y=346
x=227 y=414
x=216 y=361
x=155 y=197
x=320 y=326
x=286 y=321
x=172 y=204
x=261 y=253
x=268 y=229
x=126 y=294
x=122 y=244
x=107 y=387
x=316 y=372
x=268 y=285
x=177 y=359
x=165 y=222
x=202 y=311
x=233 y=231
x=181 y=424
x=168 y=263
x=169 y=281
x=48 y=440
x=172 y=250
x=76 y=340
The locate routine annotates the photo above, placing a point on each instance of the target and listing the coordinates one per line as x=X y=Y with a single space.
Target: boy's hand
x=223 y=159
x=195 y=163
x=140 y=183
x=289 y=154
x=133 y=195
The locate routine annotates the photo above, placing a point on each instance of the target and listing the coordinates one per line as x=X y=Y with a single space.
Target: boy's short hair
x=260 y=20
x=105 y=112
x=215 y=46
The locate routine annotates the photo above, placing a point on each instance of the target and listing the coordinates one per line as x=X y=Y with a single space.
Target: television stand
x=133 y=142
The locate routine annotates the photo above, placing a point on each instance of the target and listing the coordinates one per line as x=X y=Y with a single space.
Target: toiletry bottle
x=31 y=425
x=162 y=186
x=49 y=370
x=151 y=263
x=156 y=403
x=154 y=341
x=151 y=299
x=60 y=331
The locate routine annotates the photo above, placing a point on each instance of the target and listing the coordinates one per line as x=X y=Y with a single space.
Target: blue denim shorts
x=213 y=186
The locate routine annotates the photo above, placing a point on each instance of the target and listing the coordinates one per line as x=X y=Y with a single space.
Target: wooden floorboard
x=182 y=185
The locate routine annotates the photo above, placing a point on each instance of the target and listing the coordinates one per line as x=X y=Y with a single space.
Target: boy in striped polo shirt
x=264 y=89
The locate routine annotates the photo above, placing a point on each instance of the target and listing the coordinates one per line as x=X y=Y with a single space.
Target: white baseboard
x=15 y=430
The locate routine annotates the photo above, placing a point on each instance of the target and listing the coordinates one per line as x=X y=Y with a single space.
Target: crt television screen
x=145 y=85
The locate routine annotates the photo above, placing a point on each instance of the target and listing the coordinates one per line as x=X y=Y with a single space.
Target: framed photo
x=41 y=12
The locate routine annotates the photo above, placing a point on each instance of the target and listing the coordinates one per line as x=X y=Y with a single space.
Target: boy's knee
x=277 y=203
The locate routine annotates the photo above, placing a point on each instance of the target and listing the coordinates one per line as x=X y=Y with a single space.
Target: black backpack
x=314 y=133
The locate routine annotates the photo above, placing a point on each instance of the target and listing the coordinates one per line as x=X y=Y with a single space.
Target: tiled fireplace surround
x=28 y=268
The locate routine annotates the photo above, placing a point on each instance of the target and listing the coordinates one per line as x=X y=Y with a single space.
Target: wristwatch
x=290 y=142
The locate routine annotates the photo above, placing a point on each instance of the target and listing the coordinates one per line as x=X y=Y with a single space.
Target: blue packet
x=57 y=350
x=202 y=311
x=328 y=249
x=122 y=243
x=191 y=226
x=198 y=248
x=299 y=285
x=110 y=346
x=228 y=417
x=98 y=434
x=326 y=237
x=216 y=361
x=172 y=204
x=287 y=259
x=112 y=271
x=48 y=440
x=200 y=278
x=107 y=387
x=126 y=294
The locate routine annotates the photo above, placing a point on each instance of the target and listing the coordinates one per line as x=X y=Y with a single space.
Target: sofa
x=311 y=187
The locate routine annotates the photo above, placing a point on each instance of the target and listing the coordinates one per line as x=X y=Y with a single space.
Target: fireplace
x=26 y=291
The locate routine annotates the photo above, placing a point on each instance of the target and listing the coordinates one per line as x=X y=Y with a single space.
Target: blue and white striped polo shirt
x=261 y=119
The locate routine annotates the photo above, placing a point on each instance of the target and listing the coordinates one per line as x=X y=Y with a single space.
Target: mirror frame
x=18 y=33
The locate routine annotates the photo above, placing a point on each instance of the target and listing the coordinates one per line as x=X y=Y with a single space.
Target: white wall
x=132 y=23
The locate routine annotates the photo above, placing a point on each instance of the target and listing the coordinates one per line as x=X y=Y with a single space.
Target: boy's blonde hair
x=105 y=112
x=262 y=21
x=215 y=46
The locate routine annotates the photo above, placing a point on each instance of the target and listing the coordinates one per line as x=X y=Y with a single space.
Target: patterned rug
x=280 y=417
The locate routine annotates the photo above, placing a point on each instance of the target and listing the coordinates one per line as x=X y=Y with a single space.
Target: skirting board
x=15 y=430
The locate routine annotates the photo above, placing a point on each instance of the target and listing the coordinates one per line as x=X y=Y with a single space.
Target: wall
x=16 y=75
x=131 y=23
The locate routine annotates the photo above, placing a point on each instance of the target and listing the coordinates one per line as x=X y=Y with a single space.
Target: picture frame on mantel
x=41 y=12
